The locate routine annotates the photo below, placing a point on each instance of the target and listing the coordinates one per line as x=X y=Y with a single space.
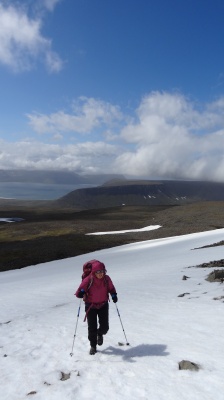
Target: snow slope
x=39 y=314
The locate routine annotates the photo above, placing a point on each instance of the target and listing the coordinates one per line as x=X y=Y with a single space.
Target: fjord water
x=36 y=191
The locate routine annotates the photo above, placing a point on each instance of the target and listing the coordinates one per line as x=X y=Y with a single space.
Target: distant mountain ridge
x=118 y=192
x=57 y=177
x=128 y=182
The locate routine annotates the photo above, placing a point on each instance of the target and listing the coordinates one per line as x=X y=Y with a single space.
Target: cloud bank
x=22 y=43
x=87 y=114
x=175 y=138
x=167 y=137
x=85 y=157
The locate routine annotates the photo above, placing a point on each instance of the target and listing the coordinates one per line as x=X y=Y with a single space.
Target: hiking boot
x=92 y=350
x=99 y=339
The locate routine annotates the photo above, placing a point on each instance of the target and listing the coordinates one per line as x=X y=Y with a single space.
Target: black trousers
x=95 y=316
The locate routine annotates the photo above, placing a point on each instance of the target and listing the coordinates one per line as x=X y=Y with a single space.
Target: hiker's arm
x=111 y=287
x=82 y=289
x=112 y=290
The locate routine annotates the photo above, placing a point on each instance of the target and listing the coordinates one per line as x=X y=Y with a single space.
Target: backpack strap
x=87 y=290
x=87 y=312
x=89 y=284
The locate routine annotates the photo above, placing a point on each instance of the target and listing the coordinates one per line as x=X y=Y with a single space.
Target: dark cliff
x=117 y=193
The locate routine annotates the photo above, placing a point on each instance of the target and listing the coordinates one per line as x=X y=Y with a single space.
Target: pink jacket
x=96 y=290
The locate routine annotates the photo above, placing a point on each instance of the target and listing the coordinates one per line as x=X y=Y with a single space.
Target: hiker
x=95 y=289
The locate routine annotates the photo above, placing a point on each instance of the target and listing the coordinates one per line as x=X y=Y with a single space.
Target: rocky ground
x=48 y=233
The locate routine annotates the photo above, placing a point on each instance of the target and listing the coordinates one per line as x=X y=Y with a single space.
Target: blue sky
x=124 y=86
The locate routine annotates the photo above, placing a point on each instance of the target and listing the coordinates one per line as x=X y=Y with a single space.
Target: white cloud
x=87 y=114
x=22 y=43
x=173 y=139
x=83 y=157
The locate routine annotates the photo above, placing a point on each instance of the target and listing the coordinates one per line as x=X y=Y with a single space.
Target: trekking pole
x=71 y=354
x=122 y=326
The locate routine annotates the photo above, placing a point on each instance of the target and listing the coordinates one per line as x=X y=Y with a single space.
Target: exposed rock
x=65 y=376
x=182 y=295
x=30 y=393
x=5 y=323
x=185 y=364
x=218 y=298
x=212 y=264
x=213 y=245
x=216 y=276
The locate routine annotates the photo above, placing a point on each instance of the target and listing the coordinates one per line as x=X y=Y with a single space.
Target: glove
x=114 y=297
x=81 y=293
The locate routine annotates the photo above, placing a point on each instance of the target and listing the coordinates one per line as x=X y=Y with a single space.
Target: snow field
x=37 y=325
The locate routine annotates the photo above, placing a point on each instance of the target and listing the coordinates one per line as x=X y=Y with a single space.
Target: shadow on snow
x=143 y=350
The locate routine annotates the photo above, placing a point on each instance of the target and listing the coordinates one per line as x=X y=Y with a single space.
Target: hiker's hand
x=114 y=297
x=81 y=293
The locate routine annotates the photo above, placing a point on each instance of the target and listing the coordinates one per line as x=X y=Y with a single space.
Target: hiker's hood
x=98 y=266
